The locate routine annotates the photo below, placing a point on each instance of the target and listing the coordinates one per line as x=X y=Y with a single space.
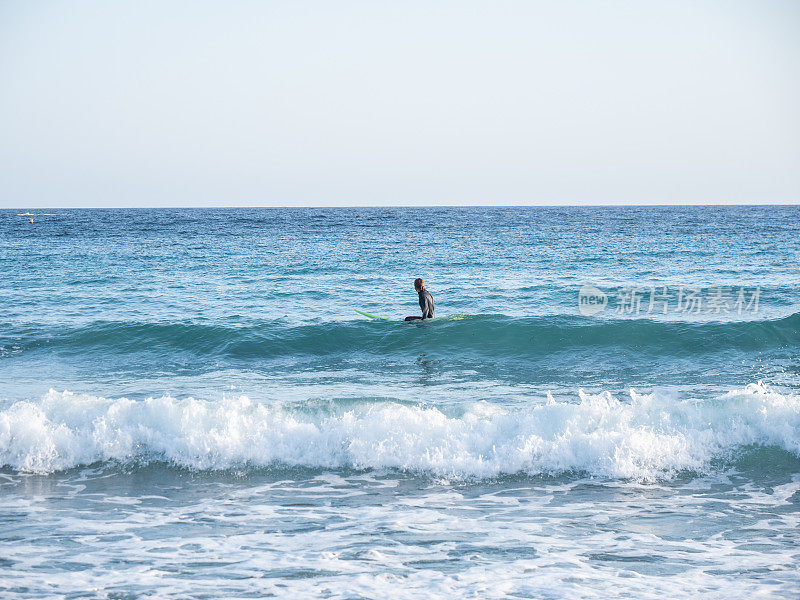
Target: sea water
x=191 y=408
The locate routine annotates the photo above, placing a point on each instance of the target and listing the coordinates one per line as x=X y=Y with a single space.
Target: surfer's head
x=419 y=284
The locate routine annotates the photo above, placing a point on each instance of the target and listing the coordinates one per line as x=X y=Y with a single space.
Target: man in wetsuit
x=425 y=301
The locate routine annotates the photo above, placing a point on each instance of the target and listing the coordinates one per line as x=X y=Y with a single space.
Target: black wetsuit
x=426 y=304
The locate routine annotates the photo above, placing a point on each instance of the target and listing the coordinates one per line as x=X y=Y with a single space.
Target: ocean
x=607 y=403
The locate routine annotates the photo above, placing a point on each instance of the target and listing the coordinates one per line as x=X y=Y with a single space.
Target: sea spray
x=645 y=436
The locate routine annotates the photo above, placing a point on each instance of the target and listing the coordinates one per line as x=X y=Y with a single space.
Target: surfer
x=425 y=301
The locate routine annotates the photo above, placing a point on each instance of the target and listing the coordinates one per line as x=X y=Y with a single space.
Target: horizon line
x=277 y=206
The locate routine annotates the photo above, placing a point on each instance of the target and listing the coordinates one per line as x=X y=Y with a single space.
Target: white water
x=644 y=437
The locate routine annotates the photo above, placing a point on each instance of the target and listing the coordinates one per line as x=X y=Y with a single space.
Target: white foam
x=646 y=436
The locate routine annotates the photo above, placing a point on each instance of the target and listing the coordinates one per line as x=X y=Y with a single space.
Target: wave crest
x=492 y=335
x=647 y=437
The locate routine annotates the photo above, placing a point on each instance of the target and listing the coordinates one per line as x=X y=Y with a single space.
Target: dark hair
x=418 y=283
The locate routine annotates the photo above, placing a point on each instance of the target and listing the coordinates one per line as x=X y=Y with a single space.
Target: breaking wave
x=644 y=436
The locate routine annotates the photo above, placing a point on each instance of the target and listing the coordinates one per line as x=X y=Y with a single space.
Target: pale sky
x=281 y=103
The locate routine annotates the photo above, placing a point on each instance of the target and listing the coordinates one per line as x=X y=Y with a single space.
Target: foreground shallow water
x=157 y=531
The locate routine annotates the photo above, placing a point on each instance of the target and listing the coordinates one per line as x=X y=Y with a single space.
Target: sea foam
x=644 y=436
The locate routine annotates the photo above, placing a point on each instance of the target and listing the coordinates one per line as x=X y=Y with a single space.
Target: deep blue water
x=190 y=406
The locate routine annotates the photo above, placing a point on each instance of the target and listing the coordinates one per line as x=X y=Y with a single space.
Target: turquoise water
x=190 y=406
